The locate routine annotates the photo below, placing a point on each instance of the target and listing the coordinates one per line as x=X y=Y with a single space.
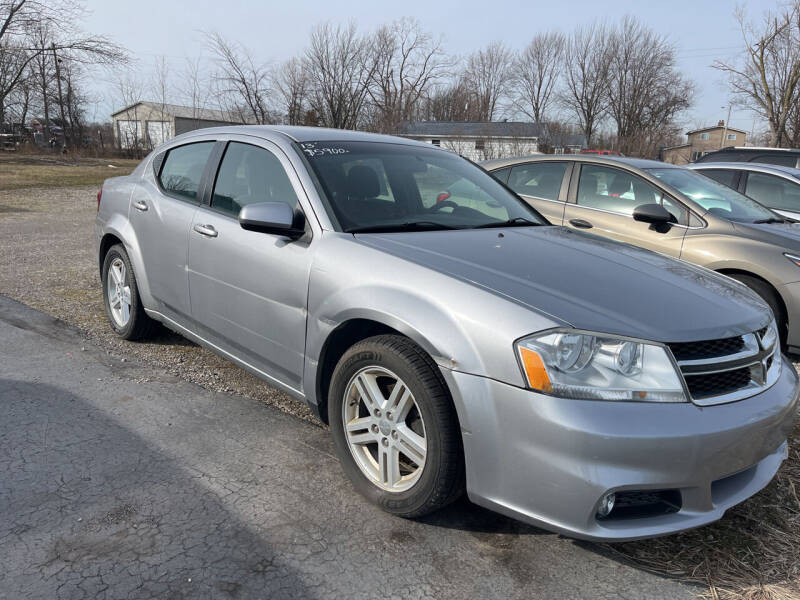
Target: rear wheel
x=121 y=297
x=394 y=427
x=769 y=296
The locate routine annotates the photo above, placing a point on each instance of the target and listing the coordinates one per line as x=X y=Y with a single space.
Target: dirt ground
x=47 y=261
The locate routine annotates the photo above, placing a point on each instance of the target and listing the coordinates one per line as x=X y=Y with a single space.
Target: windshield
x=714 y=197
x=378 y=186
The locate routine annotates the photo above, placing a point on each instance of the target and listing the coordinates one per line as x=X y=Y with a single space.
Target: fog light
x=606 y=505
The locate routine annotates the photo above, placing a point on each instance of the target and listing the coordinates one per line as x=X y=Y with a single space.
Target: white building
x=477 y=141
x=148 y=124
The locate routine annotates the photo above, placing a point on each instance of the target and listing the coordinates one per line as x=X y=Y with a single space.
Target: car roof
x=746 y=166
x=760 y=149
x=637 y=163
x=309 y=134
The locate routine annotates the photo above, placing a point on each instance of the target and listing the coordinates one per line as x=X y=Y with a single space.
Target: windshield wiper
x=770 y=220
x=515 y=222
x=408 y=226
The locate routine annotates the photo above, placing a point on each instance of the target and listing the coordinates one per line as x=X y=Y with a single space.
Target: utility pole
x=725 y=131
x=56 y=61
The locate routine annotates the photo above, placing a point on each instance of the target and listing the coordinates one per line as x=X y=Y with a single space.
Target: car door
x=779 y=194
x=543 y=185
x=602 y=202
x=162 y=208
x=249 y=289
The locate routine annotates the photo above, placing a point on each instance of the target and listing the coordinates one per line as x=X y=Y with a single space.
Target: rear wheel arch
x=108 y=240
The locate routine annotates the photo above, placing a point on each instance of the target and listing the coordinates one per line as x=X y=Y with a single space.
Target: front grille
x=727 y=369
x=707 y=348
x=717 y=384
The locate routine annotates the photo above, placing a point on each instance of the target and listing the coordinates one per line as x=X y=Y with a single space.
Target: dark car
x=783 y=157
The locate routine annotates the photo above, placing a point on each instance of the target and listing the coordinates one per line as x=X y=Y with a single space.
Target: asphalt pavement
x=120 y=481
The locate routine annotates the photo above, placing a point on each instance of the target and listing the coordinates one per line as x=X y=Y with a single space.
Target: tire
x=379 y=364
x=135 y=325
x=769 y=296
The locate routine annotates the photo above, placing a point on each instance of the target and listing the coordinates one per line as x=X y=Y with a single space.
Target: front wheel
x=394 y=427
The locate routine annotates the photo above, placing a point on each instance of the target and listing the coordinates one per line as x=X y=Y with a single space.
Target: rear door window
x=773 y=192
x=183 y=169
x=540 y=180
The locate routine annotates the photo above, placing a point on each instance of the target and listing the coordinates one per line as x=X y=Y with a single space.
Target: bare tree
x=646 y=92
x=241 y=80
x=488 y=74
x=129 y=91
x=409 y=62
x=195 y=87
x=587 y=60
x=341 y=65
x=535 y=74
x=452 y=102
x=767 y=79
x=291 y=85
x=32 y=29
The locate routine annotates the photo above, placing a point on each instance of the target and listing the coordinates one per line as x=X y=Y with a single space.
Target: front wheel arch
x=783 y=317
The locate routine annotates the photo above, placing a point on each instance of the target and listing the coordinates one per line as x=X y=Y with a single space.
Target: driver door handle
x=206 y=230
x=580 y=224
x=140 y=205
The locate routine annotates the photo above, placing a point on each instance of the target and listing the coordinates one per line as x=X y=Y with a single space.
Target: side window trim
x=209 y=178
x=162 y=160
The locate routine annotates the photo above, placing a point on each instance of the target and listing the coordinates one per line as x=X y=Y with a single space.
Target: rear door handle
x=140 y=205
x=580 y=224
x=206 y=230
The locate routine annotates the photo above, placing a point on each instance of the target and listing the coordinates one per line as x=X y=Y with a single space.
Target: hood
x=784 y=235
x=586 y=281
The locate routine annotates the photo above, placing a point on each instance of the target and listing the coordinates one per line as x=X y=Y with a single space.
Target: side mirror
x=272 y=217
x=652 y=213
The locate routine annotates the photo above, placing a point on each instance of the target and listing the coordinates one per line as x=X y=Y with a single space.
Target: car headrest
x=619 y=185
x=362 y=182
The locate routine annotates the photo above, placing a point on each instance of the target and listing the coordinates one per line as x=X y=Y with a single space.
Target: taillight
x=99 y=196
x=442 y=197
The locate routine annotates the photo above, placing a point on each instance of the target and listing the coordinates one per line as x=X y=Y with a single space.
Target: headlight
x=592 y=366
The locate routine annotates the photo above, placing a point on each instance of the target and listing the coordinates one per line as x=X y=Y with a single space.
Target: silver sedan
x=449 y=335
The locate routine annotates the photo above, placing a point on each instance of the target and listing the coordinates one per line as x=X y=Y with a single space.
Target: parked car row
x=459 y=333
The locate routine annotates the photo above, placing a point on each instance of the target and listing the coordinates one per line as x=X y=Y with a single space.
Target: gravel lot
x=47 y=261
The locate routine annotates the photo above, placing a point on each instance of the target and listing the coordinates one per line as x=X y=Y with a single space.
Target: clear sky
x=702 y=30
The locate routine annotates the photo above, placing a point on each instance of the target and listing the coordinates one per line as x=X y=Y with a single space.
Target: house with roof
x=702 y=141
x=477 y=141
x=148 y=124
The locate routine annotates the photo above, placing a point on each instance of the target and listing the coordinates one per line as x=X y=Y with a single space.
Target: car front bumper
x=549 y=461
